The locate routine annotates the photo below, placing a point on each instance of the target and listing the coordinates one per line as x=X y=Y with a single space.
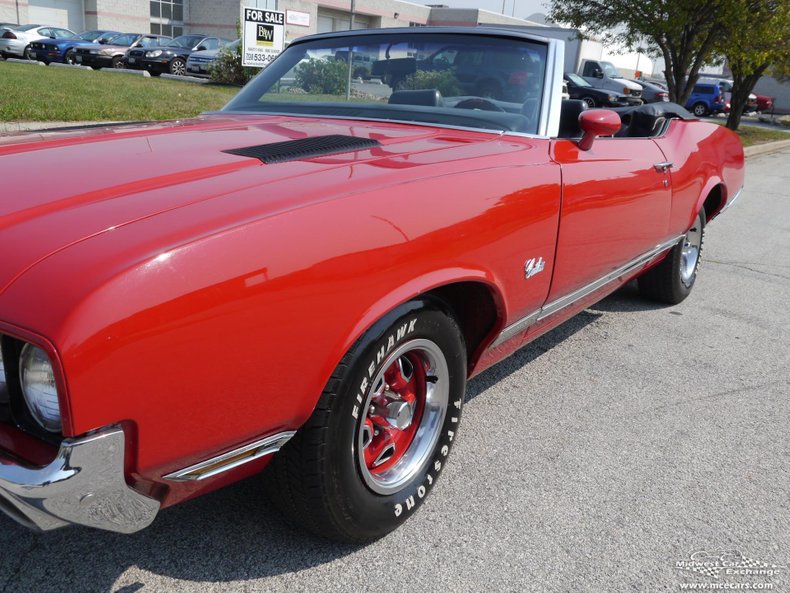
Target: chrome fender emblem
x=533 y=266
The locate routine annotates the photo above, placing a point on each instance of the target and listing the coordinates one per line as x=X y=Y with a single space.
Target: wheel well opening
x=713 y=202
x=474 y=308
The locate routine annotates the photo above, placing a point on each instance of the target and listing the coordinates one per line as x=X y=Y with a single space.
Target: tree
x=683 y=32
x=757 y=37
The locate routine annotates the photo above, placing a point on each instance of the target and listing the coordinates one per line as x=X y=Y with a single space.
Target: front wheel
x=69 y=57
x=178 y=67
x=26 y=53
x=671 y=280
x=117 y=63
x=589 y=101
x=381 y=432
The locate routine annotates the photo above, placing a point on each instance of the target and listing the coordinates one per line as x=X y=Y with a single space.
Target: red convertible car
x=307 y=278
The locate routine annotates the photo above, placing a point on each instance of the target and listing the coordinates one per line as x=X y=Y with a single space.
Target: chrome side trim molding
x=232 y=459
x=731 y=202
x=557 y=305
x=515 y=328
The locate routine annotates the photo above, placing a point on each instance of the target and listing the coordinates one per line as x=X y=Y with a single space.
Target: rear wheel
x=700 y=109
x=380 y=434
x=671 y=280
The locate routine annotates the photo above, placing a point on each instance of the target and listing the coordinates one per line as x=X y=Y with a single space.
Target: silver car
x=15 y=43
x=199 y=62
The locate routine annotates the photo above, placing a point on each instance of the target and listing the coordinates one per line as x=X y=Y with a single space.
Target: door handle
x=663 y=167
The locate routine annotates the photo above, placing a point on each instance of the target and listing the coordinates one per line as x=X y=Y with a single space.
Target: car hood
x=65 y=187
x=110 y=46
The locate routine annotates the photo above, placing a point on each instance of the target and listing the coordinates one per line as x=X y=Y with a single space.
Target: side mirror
x=597 y=122
x=103 y=41
x=201 y=48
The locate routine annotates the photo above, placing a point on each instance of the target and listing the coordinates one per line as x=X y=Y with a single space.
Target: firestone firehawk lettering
x=302 y=283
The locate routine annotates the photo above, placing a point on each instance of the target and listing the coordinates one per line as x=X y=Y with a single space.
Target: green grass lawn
x=38 y=93
x=751 y=135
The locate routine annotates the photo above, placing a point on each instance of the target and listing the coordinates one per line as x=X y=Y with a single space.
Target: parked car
x=764 y=103
x=309 y=283
x=64 y=50
x=172 y=56
x=113 y=53
x=15 y=43
x=652 y=93
x=726 y=88
x=579 y=88
x=706 y=99
x=199 y=62
x=8 y=26
x=604 y=75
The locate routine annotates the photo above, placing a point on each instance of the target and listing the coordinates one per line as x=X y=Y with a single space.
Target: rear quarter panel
x=705 y=155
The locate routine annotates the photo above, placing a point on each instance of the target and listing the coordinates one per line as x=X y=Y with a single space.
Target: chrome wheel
x=405 y=408
x=689 y=256
x=178 y=67
x=589 y=101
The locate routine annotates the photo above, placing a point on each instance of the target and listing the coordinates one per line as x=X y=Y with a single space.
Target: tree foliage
x=683 y=32
x=757 y=37
x=328 y=77
x=227 y=68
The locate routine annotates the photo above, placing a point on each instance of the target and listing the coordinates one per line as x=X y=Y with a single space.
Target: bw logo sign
x=265 y=35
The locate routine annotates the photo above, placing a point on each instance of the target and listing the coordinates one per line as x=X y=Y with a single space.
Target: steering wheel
x=478 y=103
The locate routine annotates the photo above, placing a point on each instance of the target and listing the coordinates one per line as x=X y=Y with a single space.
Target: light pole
x=350 y=54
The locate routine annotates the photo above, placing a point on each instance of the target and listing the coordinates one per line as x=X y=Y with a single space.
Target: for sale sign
x=262 y=36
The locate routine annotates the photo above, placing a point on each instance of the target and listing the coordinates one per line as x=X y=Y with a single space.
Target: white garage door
x=61 y=13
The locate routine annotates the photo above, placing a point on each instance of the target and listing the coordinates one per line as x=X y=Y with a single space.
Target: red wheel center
x=394 y=413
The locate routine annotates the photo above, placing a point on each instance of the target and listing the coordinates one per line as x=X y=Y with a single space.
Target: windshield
x=88 y=35
x=188 y=41
x=124 y=39
x=466 y=80
x=576 y=79
x=610 y=70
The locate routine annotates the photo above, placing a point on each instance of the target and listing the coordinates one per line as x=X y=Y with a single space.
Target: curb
x=766 y=148
x=143 y=73
x=25 y=62
x=72 y=66
x=182 y=78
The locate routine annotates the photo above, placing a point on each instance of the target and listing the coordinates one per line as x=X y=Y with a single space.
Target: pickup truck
x=604 y=75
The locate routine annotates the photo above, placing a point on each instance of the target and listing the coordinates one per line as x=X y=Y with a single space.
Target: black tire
x=178 y=67
x=68 y=57
x=154 y=73
x=672 y=279
x=700 y=109
x=117 y=62
x=26 y=53
x=322 y=480
x=589 y=101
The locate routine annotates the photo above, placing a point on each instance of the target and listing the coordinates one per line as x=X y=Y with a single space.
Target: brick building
x=219 y=17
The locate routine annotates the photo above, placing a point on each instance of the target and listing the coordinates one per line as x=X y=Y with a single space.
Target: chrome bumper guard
x=84 y=485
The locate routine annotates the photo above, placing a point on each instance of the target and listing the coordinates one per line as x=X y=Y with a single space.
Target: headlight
x=611 y=98
x=38 y=387
x=153 y=54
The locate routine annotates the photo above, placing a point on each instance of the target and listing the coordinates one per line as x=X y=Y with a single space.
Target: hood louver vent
x=294 y=150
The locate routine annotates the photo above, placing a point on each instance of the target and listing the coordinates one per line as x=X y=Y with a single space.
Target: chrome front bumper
x=84 y=485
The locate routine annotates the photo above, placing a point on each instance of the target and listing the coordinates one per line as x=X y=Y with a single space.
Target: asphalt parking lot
x=595 y=459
